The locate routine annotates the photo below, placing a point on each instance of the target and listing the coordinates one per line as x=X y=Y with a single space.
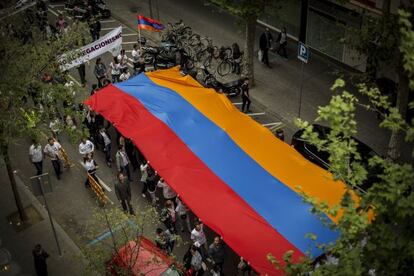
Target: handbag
x=260 y=55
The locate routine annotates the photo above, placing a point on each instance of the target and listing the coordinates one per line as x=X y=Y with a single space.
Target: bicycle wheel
x=224 y=68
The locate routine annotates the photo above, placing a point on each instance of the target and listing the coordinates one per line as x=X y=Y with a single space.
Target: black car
x=320 y=158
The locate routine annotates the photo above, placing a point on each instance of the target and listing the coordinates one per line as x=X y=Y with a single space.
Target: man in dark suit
x=123 y=193
x=265 y=43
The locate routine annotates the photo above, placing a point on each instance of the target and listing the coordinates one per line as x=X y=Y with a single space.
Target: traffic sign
x=303 y=52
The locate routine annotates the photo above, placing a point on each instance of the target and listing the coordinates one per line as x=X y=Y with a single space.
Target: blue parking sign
x=303 y=52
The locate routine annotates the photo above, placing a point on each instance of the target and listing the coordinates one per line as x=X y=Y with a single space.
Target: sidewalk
x=277 y=89
x=20 y=244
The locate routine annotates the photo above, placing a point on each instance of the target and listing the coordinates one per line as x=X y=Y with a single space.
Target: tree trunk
x=19 y=205
x=396 y=139
x=249 y=48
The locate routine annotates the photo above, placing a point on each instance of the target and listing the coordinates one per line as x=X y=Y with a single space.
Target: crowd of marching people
x=175 y=217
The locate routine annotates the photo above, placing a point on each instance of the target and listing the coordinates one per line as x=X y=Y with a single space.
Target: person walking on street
x=168 y=216
x=167 y=192
x=196 y=262
x=152 y=184
x=139 y=65
x=245 y=96
x=36 y=156
x=282 y=39
x=125 y=75
x=122 y=161
x=144 y=175
x=164 y=240
x=237 y=56
x=100 y=72
x=39 y=257
x=107 y=145
x=123 y=193
x=52 y=149
x=217 y=252
x=265 y=43
x=199 y=238
x=183 y=212
x=82 y=74
x=123 y=60
x=86 y=147
x=91 y=167
x=115 y=69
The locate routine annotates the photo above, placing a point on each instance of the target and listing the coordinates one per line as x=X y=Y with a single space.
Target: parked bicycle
x=176 y=32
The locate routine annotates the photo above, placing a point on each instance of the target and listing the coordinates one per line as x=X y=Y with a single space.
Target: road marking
x=74 y=80
x=256 y=114
x=128 y=34
x=129 y=42
x=111 y=29
x=107 y=234
x=17 y=11
x=56 y=5
x=107 y=21
x=52 y=11
x=272 y=124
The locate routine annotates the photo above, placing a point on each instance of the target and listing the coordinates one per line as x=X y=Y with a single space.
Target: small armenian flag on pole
x=146 y=23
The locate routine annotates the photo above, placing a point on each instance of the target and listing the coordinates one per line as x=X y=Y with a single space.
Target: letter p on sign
x=303 y=52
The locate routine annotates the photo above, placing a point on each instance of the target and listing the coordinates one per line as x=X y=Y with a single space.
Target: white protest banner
x=111 y=42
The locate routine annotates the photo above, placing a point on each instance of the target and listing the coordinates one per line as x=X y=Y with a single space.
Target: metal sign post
x=39 y=187
x=303 y=56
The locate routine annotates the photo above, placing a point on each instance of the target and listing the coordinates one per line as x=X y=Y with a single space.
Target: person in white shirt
x=52 y=149
x=125 y=75
x=86 y=147
x=115 y=70
x=123 y=60
x=55 y=128
x=107 y=145
x=122 y=161
x=144 y=175
x=36 y=156
x=183 y=212
x=167 y=192
x=137 y=60
x=90 y=166
x=199 y=238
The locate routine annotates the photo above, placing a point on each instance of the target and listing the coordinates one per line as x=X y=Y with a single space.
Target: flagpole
x=139 y=37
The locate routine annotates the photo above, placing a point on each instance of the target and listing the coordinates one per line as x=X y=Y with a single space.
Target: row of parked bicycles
x=197 y=56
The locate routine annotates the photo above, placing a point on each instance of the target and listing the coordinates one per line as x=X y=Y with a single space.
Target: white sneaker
x=144 y=196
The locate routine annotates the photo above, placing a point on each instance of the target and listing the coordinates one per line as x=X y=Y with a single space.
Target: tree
x=248 y=11
x=378 y=40
x=376 y=226
x=28 y=95
x=123 y=230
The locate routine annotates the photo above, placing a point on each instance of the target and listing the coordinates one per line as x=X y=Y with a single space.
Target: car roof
x=147 y=260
